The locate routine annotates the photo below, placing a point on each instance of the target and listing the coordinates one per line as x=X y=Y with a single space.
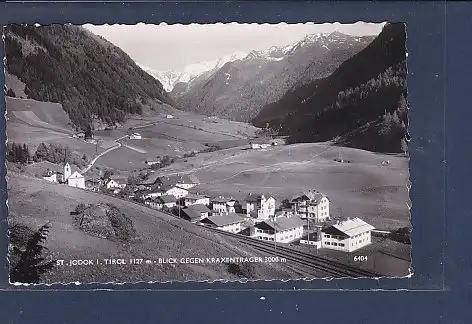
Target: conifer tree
x=32 y=264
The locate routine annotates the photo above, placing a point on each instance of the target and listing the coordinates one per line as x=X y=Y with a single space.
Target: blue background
x=440 y=52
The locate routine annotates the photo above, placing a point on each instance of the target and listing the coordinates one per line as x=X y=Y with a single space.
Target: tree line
x=18 y=153
x=54 y=153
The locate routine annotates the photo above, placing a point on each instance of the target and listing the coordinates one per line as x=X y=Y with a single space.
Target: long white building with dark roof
x=348 y=236
x=283 y=229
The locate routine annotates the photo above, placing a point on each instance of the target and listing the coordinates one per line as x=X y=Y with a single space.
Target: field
x=364 y=188
x=157 y=233
x=33 y=122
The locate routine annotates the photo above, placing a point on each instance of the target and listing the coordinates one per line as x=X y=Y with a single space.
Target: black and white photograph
x=207 y=152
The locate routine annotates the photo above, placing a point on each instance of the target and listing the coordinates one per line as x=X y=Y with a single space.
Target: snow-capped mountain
x=170 y=78
x=238 y=89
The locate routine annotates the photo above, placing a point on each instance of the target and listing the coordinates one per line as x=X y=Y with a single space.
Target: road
x=90 y=165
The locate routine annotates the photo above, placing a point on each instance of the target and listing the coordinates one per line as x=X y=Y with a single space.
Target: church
x=73 y=179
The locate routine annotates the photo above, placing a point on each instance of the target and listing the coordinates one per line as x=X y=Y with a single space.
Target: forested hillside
x=89 y=76
x=362 y=104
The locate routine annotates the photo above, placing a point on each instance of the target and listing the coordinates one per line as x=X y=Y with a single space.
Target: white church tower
x=67 y=171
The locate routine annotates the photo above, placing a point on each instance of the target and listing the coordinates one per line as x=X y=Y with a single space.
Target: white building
x=229 y=223
x=194 y=199
x=222 y=206
x=114 y=184
x=152 y=162
x=135 y=136
x=312 y=205
x=53 y=176
x=168 y=201
x=76 y=180
x=347 y=236
x=176 y=191
x=283 y=229
x=261 y=143
x=260 y=207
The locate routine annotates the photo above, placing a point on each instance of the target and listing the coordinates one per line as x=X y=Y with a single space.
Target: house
x=229 y=223
x=168 y=201
x=196 y=199
x=151 y=202
x=222 y=205
x=261 y=142
x=312 y=205
x=135 y=136
x=183 y=181
x=260 y=207
x=53 y=176
x=76 y=180
x=281 y=229
x=152 y=162
x=114 y=184
x=195 y=213
x=348 y=236
x=176 y=191
x=152 y=181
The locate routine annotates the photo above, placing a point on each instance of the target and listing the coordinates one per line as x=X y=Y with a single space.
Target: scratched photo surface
x=157 y=153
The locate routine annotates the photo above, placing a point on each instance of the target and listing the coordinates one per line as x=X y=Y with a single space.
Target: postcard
x=203 y=152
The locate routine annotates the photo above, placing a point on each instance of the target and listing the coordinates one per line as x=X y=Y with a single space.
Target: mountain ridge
x=367 y=92
x=239 y=89
x=89 y=76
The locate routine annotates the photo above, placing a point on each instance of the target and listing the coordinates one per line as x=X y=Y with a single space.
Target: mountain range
x=240 y=88
x=361 y=104
x=170 y=78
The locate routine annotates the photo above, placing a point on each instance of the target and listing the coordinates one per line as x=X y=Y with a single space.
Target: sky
x=172 y=47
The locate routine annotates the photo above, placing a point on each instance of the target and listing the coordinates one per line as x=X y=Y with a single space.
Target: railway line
x=305 y=260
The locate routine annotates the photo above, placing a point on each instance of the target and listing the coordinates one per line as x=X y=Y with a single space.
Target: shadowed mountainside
x=362 y=104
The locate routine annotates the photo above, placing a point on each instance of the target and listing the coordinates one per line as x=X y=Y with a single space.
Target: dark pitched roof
x=223 y=220
x=167 y=199
x=350 y=227
x=222 y=200
x=151 y=180
x=312 y=195
x=283 y=223
x=191 y=213
x=193 y=196
x=176 y=179
x=199 y=208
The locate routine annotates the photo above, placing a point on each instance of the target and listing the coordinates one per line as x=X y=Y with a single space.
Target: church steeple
x=67 y=171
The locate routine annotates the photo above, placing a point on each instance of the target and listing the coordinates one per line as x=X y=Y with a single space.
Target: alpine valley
x=243 y=85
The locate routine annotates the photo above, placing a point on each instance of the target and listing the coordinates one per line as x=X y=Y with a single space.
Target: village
x=303 y=219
